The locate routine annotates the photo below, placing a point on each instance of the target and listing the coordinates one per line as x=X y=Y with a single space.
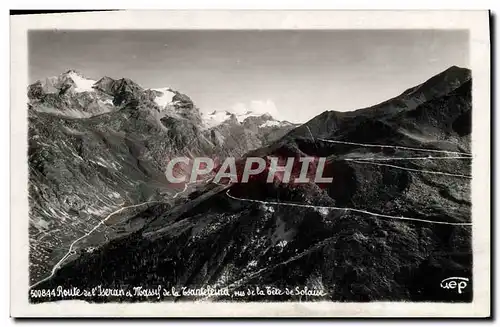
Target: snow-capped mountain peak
x=217 y=117
x=271 y=123
x=260 y=120
x=82 y=84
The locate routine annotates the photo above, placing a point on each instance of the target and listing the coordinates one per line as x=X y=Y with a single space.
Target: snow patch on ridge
x=242 y=111
x=215 y=118
x=271 y=123
x=255 y=108
x=166 y=97
x=247 y=114
x=82 y=84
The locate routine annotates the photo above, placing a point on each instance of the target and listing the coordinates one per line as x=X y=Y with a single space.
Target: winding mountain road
x=70 y=250
x=72 y=245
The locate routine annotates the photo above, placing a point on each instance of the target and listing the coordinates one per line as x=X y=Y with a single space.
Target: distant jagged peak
x=105 y=79
x=256 y=116
x=249 y=119
x=216 y=117
x=69 y=80
x=264 y=120
x=72 y=72
x=105 y=84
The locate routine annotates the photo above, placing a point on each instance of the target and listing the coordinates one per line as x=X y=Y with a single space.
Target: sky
x=294 y=75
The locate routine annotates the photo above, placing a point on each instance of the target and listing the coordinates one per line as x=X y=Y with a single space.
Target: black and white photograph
x=177 y=166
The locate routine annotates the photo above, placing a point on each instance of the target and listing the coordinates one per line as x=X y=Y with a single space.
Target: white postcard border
x=477 y=22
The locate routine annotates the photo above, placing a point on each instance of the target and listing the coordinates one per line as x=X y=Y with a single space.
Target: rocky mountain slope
x=96 y=146
x=394 y=222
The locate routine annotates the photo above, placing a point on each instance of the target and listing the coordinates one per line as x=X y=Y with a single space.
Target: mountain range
x=393 y=224
x=95 y=146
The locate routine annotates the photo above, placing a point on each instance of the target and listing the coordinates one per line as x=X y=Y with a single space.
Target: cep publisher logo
x=455 y=283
